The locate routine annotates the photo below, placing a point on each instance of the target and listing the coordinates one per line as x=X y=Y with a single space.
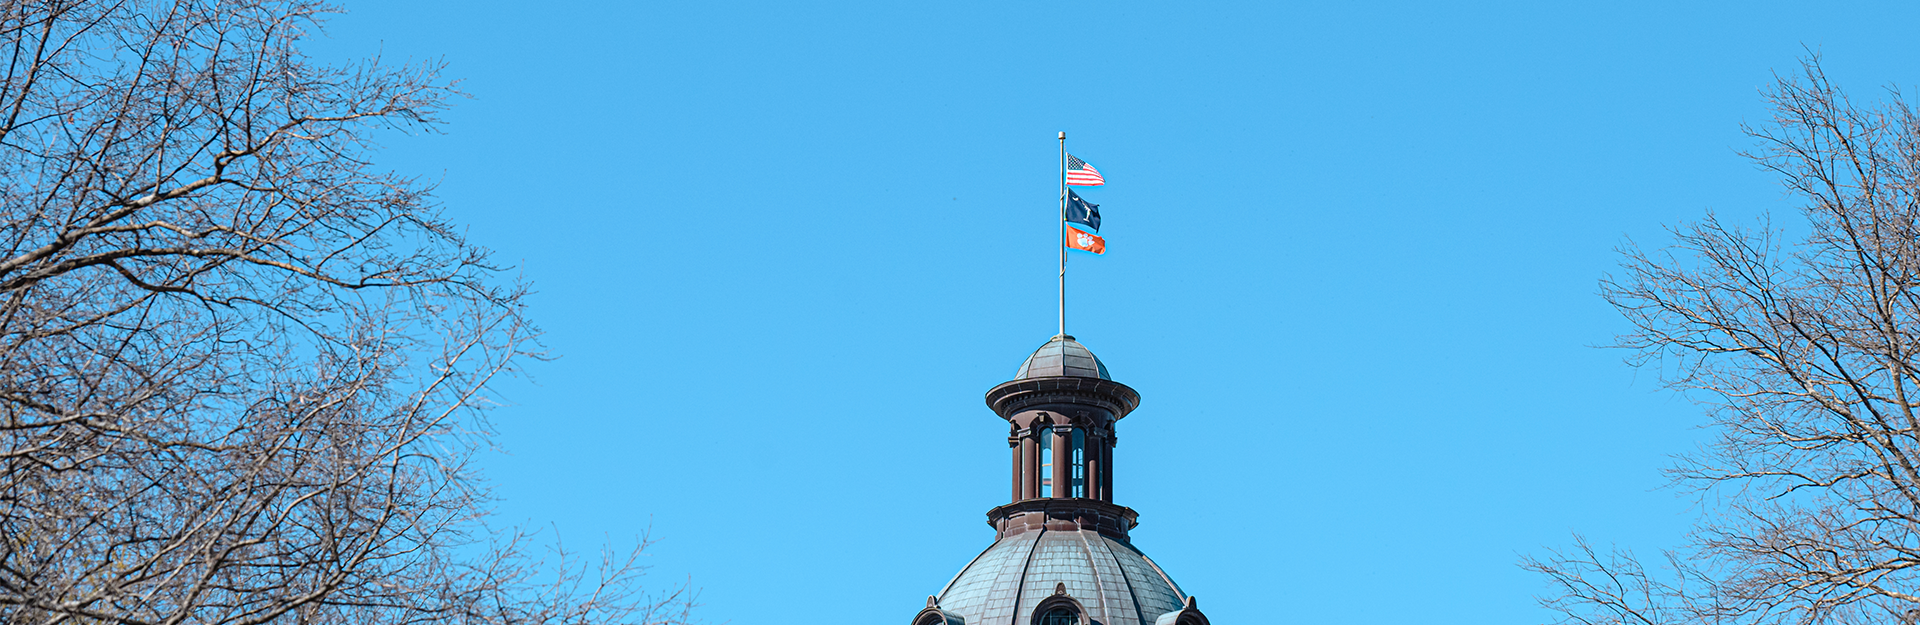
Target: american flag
x=1079 y=173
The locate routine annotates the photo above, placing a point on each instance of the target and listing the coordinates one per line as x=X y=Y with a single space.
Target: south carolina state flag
x=1086 y=242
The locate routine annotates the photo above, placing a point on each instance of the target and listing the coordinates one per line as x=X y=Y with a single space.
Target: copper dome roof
x=1112 y=581
x=1062 y=357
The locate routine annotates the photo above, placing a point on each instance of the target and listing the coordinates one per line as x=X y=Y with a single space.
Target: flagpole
x=1063 y=233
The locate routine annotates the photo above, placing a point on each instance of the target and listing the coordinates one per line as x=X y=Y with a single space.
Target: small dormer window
x=1058 y=609
x=1060 y=615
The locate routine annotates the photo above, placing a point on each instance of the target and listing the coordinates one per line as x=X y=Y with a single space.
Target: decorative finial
x=932 y=602
x=1060 y=588
x=1191 y=604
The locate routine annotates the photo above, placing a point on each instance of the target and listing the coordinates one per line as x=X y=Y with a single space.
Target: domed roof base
x=1075 y=513
x=1110 y=581
x=1062 y=357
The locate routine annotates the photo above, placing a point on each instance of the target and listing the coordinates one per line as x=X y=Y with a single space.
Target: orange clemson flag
x=1086 y=242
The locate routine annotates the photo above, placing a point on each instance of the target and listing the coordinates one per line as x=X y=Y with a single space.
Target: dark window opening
x=1079 y=462
x=1046 y=462
x=1078 y=453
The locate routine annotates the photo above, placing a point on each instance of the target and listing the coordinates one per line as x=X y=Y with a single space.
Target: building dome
x=1113 y=582
x=1062 y=357
x=1061 y=553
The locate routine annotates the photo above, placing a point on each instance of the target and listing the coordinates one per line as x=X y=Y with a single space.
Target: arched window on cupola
x=1076 y=453
x=1079 y=463
x=1045 y=437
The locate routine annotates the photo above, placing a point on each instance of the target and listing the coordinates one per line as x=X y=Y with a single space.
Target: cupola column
x=1062 y=462
x=1019 y=457
x=1106 y=467
x=1029 y=465
x=1095 y=466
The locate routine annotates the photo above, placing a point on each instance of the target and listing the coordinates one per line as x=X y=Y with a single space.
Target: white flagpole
x=1063 y=233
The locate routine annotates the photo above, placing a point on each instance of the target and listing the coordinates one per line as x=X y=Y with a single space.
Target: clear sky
x=784 y=248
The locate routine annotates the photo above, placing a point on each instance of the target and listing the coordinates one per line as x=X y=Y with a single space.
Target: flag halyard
x=1082 y=216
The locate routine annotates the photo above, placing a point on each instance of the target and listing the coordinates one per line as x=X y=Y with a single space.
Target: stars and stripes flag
x=1079 y=173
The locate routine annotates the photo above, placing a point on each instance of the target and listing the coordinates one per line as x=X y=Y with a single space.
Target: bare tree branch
x=243 y=372
x=1804 y=343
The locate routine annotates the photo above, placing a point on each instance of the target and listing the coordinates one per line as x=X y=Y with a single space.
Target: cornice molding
x=1063 y=514
x=1010 y=398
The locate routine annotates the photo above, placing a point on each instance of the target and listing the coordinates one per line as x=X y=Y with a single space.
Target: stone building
x=1060 y=554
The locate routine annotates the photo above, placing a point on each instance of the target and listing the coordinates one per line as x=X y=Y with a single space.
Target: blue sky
x=784 y=248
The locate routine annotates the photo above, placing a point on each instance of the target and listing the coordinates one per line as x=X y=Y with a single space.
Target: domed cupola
x=1061 y=554
x=1062 y=357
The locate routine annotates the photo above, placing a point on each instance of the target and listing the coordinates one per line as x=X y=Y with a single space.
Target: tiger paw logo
x=1083 y=240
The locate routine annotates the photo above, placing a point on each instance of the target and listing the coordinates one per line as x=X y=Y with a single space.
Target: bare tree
x=1804 y=342
x=242 y=370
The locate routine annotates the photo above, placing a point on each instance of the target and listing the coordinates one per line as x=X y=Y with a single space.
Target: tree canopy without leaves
x=242 y=369
x=1804 y=342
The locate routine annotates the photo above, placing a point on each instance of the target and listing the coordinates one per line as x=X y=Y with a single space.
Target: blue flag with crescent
x=1081 y=212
